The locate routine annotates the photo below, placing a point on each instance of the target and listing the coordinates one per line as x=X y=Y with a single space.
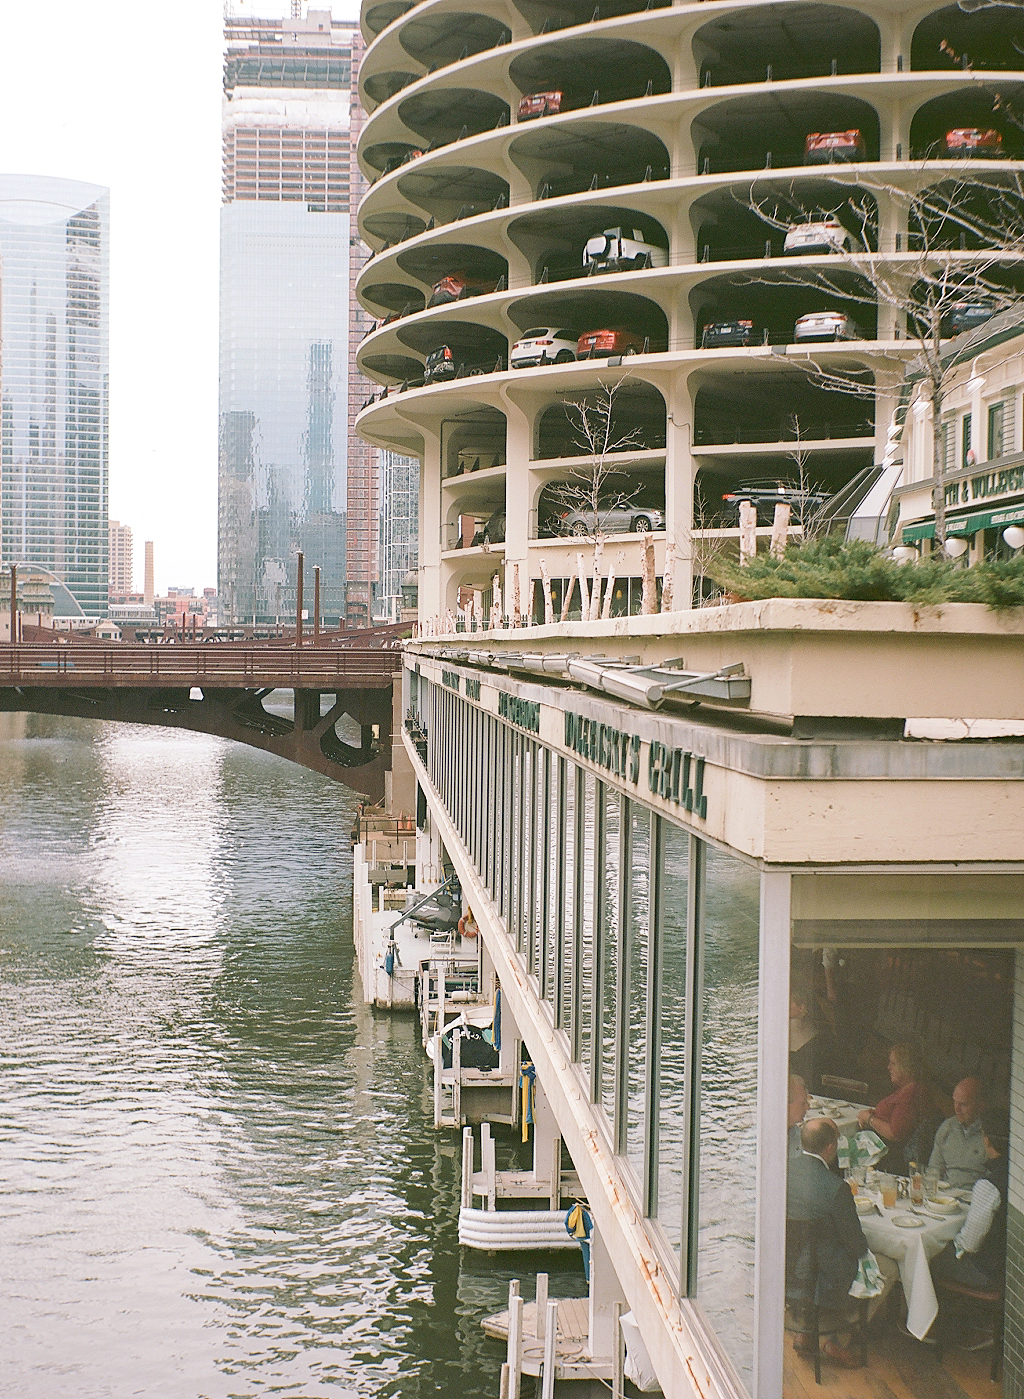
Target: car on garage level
x=614 y=517
x=446 y=363
x=596 y=344
x=621 y=250
x=764 y=494
x=543 y=345
x=457 y=286
x=826 y=325
x=539 y=104
x=968 y=315
x=967 y=142
x=834 y=147
x=818 y=236
x=719 y=335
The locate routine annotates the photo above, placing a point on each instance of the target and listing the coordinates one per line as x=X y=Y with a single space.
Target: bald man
x=959 y=1152
x=799 y=1103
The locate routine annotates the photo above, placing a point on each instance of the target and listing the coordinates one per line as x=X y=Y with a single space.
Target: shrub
x=859 y=572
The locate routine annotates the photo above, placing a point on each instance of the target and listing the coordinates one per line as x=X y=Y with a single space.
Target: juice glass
x=889 y=1192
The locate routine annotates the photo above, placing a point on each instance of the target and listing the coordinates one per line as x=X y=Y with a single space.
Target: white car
x=543 y=345
x=825 y=236
x=826 y=325
x=621 y=250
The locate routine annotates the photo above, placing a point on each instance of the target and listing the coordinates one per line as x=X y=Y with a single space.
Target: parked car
x=613 y=518
x=543 y=345
x=493 y=531
x=446 y=363
x=823 y=236
x=827 y=325
x=539 y=104
x=967 y=141
x=457 y=286
x=766 y=493
x=621 y=250
x=720 y=335
x=834 y=147
x=968 y=315
x=595 y=344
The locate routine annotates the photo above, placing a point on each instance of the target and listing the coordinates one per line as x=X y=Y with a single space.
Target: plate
x=907 y=1221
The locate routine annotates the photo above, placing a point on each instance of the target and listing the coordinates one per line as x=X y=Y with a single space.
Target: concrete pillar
x=680 y=473
x=604 y=1293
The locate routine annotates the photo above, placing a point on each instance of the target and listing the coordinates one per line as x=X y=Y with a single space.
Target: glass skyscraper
x=284 y=313
x=54 y=300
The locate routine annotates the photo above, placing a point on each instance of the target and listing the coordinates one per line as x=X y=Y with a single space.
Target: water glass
x=931 y=1184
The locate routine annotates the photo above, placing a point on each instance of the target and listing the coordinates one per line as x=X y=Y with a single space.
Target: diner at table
x=959 y=1154
x=896 y=1116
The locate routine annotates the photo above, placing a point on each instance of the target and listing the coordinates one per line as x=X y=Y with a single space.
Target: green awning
x=966 y=524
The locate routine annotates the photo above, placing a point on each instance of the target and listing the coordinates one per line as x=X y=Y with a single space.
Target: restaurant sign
x=519 y=711
x=987 y=486
x=674 y=774
x=452 y=679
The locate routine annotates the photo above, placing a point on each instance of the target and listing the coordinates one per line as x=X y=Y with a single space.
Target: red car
x=457 y=286
x=539 y=104
x=595 y=344
x=966 y=141
x=834 y=147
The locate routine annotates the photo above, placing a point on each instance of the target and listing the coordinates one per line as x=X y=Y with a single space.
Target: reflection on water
x=219 y=1173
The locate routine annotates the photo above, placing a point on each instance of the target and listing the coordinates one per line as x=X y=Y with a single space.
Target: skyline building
x=54 y=346
x=121 y=558
x=399 y=530
x=284 y=308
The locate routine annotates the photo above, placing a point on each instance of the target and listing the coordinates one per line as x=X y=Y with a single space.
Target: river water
x=218 y=1169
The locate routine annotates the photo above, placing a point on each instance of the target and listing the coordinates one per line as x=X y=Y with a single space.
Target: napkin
x=863 y=1149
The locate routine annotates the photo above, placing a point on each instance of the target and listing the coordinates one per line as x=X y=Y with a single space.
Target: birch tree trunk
x=549 y=612
x=595 y=596
x=748 y=532
x=780 y=530
x=649 y=593
x=581 y=569
x=606 y=610
x=516 y=600
x=668 y=580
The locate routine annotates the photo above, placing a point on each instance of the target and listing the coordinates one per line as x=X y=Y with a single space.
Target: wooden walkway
x=897 y=1368
x=573 y=1360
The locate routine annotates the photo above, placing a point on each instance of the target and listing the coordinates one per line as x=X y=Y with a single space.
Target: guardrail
x=181 y=664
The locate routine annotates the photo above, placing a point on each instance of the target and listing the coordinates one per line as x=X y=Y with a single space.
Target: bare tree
x=595 y=487
x=936 y=246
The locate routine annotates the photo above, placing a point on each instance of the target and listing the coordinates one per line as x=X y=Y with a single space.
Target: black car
x=765 y=494
x=728 y=334
x=968 y=315
x=447 y=363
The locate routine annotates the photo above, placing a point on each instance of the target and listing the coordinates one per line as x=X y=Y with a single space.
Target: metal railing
x=182 y=663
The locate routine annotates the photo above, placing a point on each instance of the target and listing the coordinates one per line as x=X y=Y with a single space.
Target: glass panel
x=528 y=801
x=552 y=896
x=609 y=948
x=638 y=953
x=567 y=891
x=515 y=863
x=922 y=1038
x=728 y=1097
x=670 y=1165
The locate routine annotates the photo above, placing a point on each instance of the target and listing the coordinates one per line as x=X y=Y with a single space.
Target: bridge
x=219 y=688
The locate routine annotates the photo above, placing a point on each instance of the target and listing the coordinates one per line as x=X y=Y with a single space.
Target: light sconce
x=955 y=548
x=1014 y=536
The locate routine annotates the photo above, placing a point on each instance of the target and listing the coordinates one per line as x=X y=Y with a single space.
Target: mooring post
x=550 y=1343
x=515 y=1340
x=298 y=603
x=316 y=603
x=618 y=1354
x=467 y=1168
x=542 y=1306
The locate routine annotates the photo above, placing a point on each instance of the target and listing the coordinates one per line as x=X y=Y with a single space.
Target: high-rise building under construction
x=284 y=334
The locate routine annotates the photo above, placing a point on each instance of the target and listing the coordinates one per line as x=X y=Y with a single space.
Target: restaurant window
x=910 y=1085
x=669 y=1147
x=637 y=962
x=609 y=950
x=965 y=441
x=589 y=818
x=722 y=1266
x=995 y=431
x=551 y=900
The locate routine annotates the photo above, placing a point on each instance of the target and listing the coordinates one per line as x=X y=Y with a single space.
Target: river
x=218 y=1168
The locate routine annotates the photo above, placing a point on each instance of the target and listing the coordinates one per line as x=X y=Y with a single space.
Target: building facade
x=54 y=333
x=399 y=530
x=684 y=834
x=122 y=560
x=284 y=330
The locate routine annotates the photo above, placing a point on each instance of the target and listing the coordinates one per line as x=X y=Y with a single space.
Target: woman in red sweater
x=895 y=1117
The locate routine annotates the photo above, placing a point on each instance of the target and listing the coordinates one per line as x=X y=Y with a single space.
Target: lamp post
x=298 y=603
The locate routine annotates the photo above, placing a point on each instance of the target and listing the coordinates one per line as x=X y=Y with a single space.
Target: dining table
x=842 y=1113
x=911 y=1247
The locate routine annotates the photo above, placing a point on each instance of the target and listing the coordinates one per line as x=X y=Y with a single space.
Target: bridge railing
x=247 y=666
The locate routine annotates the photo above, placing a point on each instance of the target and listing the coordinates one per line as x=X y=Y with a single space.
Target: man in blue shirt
x=959 y=1152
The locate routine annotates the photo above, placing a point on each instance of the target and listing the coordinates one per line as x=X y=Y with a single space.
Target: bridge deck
x=227 y=665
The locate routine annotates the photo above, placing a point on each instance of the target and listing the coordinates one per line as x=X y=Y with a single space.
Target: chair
x=991 y=1300
x=802 y=1290
x=851 y=1088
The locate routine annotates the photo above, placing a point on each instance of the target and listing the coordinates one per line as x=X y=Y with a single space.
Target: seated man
x=977 y=1256
x=815 y=1193
x=799 y=1103
x=959 y=1152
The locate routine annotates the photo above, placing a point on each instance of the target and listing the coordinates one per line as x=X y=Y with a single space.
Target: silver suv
x=612 y=519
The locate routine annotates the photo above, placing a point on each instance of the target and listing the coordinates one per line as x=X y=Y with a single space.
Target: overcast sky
x=126 y=93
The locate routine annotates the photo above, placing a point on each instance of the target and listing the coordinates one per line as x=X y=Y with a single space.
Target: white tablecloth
x=912 y=1248
x=843 y=1114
